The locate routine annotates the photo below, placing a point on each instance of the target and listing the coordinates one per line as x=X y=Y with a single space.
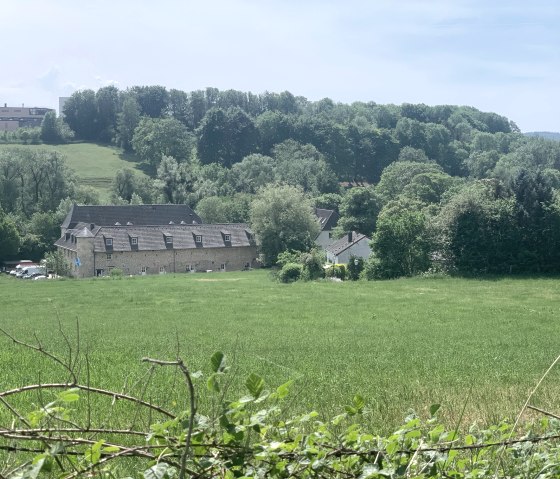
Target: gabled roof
x=327 y=218
x=347 y=241
x=138 y=215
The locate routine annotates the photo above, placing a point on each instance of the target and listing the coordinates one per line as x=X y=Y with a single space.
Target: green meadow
x=477 y=347
x=95 y=165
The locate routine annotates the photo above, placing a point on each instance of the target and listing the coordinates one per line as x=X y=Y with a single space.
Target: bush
x=116 y=273
x=336 y=271
x=355 y=267
x=312 y=265
x=371 y=269
x=290 y=272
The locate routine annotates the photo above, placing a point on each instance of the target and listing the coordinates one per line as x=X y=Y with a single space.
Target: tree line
x=435 y=187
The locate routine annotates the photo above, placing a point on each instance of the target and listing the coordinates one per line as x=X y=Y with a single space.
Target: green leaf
x=218 y=362
x=160 y=471
x=255 y=384
x=71 y=395
x=434 y=408
x=213 y=384
x=284 y=389
x=358 y=402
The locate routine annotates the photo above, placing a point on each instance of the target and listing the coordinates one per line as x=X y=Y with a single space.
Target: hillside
x=94 y=165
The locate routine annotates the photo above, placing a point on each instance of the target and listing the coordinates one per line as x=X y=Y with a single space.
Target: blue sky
x=501 y=56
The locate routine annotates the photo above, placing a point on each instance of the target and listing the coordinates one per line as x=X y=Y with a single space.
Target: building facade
x=12 y=118
x=351 y=244
x=172 y=245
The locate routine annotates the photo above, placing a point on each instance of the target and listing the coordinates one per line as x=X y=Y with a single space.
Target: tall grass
x=403 y=344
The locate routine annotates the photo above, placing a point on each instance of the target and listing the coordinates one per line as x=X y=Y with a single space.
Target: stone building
x=151 y=239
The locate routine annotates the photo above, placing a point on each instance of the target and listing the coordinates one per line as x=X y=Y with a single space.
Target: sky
x=499 y=56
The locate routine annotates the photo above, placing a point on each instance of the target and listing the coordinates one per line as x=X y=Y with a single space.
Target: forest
x=438 y=188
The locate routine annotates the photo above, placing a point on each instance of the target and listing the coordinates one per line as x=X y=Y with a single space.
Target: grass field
x=403 y=344
x=95 y=165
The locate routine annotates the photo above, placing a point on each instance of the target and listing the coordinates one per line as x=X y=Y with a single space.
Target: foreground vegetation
x=476 y=347
x=400 y=344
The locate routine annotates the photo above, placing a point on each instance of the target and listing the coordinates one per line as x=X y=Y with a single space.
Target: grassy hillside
x=95 y=165
x=401 y=344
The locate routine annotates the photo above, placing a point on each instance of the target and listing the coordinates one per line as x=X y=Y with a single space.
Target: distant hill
x=95 y=165
x=548 y=135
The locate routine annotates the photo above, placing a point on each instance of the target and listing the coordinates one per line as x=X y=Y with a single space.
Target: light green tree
x=282 y=218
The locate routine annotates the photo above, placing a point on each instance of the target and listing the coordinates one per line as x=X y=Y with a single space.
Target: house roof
x=347 y=241
x=327 y=218
x=109 y=215
x=153 y=238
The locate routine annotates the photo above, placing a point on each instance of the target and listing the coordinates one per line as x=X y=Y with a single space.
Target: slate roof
x=153 y=238
x=327 y=218
x=345 y=242
x=137 y=215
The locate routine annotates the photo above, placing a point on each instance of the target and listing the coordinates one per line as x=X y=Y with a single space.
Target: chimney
x=91 y=226
x=5 y=105
x=350 y=237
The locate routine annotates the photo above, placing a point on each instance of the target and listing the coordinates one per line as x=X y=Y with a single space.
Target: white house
x=327 y=221
x=351 y=244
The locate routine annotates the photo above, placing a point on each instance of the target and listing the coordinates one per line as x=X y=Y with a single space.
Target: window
x=223 y=266
x=198 y=238
x=144 y=269
x=109 y=256
x=108 y=241
x=227 y=237
x=134 y=241
x=162 y=269
x=169 y=240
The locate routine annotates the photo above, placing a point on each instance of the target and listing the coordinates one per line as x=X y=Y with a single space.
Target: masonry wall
x=175 y=261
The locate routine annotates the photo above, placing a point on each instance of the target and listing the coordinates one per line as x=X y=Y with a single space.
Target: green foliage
x=9 y=237
x=155 y=138
x=313 y=262
x=117 y=273
x=290 y=272
x=256 y=436
x=282 y=218
x=355 y=267
x=338 y=271
x=401 y=245
x=56 y=263
x=358 y=211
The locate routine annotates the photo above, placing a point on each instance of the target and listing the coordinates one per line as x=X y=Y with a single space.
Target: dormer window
x=198 y=238
x=169 y=240
x=108 y=241
x=227 y=237
x=134 y=241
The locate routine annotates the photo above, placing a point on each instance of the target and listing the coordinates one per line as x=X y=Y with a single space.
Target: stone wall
x=175 y=261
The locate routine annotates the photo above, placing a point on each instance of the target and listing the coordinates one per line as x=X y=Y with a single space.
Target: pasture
x=95 y=165
x=481 y=345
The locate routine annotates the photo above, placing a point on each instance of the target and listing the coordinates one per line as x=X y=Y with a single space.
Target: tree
x=252 y=173
x=401 y=245
x=282 y=218
x=57 y=263
x=153 y=100
x=127 y=121
x=305 y=166
x=358 y=211
x=50 y=131
x=226 y=136
x=9 y=237
x=157 y=137
x=108 y=102
x=397 y=175
x=80 y=112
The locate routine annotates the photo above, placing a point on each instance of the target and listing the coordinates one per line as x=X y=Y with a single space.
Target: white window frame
x=108 y=241
x=222 y=267
x=169 y=240
x=162 y=269
x=144 y=269
x=134 y=241
x=109 y=256
x=198 y=238
x=227 y=237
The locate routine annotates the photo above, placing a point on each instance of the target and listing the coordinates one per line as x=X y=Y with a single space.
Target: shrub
x=116 y=273
x=290 y=272
x=355 y=267
x=336 y=271
x=312 y=265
